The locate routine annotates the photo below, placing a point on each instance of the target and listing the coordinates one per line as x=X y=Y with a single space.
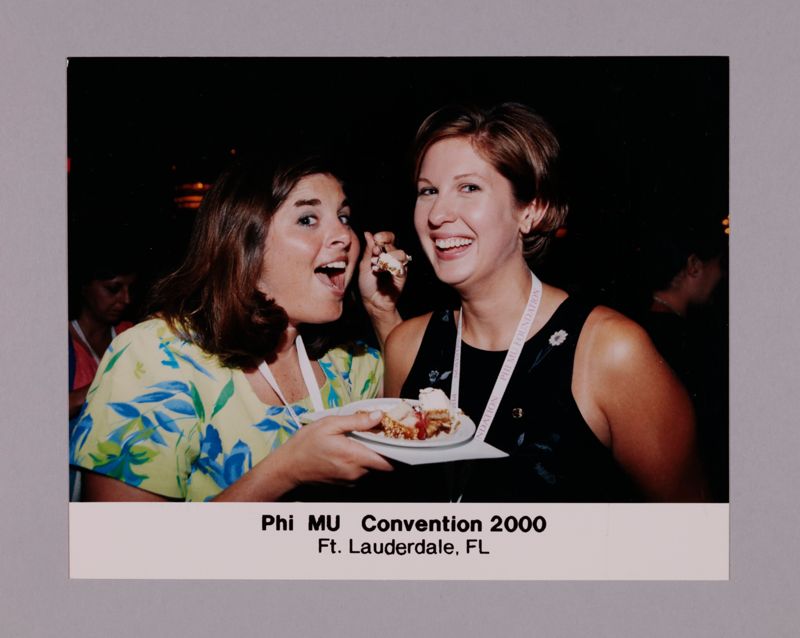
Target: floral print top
x=167 y=417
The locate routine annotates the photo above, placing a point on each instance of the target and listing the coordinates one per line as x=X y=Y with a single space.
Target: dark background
x=645 y=144
x=644 y=141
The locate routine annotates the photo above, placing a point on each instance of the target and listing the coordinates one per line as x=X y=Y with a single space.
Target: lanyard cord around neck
x=77 y=328
x=308 y=377
x=512 y=356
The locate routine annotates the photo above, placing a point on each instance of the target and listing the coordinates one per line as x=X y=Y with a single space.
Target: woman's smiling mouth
x=451 y=247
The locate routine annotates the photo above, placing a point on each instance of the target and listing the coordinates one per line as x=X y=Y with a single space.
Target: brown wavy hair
x=520 y=145
x=212 y=299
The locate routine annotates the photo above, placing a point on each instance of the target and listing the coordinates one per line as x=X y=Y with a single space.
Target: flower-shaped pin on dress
x=557 y=338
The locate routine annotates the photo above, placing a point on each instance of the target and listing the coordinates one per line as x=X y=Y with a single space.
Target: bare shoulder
x=617 y=359
x=615 y=342
x=410 y=329
x=640 y=406
x=402 y=346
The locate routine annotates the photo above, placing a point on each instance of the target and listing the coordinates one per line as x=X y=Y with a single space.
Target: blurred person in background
x=683 y=268
x=101 y=298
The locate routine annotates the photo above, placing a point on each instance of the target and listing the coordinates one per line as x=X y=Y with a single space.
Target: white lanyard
x=308 y=377
x=77 y=327
x=525 y=322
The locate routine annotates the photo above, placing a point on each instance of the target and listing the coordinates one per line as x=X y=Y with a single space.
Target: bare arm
x=401 y=350
x=648 y=413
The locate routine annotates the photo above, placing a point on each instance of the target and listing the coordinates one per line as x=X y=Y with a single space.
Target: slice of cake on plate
x=432 y=417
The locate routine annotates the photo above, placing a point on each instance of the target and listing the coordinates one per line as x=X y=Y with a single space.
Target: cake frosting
x=390 y=264
x=431 y=417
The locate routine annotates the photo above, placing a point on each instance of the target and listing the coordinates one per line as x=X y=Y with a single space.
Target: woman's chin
x=321 y=315
x=452 y=274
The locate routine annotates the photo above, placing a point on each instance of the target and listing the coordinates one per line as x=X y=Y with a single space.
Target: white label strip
x=430 y=541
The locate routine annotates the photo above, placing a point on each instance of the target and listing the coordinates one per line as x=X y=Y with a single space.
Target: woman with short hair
x=591 y=412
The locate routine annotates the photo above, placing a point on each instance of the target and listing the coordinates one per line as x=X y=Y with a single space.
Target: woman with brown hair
x=205 y=400
x=591 y=412
x=100 y=297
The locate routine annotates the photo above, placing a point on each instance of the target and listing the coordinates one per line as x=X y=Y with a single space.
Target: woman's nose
x=340 y=235
x=125 y=294
x=440 y=211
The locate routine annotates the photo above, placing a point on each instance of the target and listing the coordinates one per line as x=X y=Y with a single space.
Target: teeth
x=335 y=264
x=452 y=242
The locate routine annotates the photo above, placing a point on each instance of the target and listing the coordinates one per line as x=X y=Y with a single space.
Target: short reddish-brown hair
x=520 y=145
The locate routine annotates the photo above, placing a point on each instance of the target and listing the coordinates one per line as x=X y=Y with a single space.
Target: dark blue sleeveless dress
x=554 y=455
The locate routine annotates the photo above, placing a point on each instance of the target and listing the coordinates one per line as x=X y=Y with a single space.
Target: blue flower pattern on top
x=165 y=416
x=279 y=420
x=224 y=468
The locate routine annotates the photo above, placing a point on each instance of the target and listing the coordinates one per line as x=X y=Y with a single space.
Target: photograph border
x=760 y=599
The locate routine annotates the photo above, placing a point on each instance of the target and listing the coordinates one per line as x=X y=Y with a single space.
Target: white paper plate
x=449 y=448
x=463 y=433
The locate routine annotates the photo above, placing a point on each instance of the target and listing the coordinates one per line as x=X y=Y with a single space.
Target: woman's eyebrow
x=307 y=202
x=455 y=177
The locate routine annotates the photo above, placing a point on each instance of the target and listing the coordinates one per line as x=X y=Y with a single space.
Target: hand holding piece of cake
x=392 y=262
x=433 y=416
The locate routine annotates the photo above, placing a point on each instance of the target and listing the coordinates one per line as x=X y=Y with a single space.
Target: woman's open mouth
x=451 y=247
x=333 y=275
